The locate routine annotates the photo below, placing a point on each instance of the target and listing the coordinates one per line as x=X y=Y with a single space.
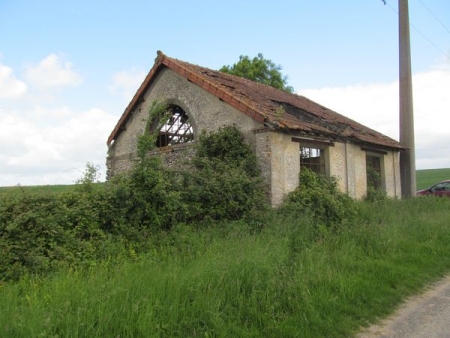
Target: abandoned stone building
x=286 y=131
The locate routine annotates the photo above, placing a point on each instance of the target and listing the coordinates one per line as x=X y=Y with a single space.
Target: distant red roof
x=277 y=109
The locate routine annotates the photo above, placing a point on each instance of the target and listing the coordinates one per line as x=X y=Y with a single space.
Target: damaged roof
x=277 y=109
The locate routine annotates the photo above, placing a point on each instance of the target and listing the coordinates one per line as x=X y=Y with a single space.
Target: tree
x=259 y=70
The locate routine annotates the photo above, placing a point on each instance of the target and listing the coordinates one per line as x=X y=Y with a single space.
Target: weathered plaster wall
x=279 y=159
x=340 y=160
x=360 y=178
x=205 y=111
x=391 y=167
x=348 y=166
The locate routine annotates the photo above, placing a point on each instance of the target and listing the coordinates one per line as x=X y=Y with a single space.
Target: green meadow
x=428 y=177
x=5 y=191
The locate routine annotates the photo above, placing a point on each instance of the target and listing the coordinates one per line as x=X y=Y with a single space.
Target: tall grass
x=287 y=280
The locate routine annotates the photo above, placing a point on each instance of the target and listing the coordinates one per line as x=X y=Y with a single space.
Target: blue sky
x=69 y=68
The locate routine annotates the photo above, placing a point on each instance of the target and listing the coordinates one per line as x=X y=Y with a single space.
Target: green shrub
x=41 y=232
x=374 y=191
x=225 y=181
x=375 y=195
x=320 y=198
x=151 y=198
x=227 y=146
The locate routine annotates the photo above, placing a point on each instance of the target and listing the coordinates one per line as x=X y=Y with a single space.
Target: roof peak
x=159 y=55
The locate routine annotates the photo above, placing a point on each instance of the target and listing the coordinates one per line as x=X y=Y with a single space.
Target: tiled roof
x=277 y=109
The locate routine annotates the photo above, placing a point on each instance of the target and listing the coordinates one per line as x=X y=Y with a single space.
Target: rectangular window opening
x=313 y=159
x=374 y=174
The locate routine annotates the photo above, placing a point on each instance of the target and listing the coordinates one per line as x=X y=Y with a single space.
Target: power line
x=418 y=31
x=431 y=42
x=437 y=19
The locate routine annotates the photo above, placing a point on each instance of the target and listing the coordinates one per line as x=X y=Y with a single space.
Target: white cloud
x=41 y=141
x=53 y=72
x=125 y=83
x=55 y=154
x=10 y=87
x=52 y=113
x=376 y=106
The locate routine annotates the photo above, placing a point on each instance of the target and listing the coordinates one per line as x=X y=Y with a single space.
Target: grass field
x=36 y=189
x=428 y=177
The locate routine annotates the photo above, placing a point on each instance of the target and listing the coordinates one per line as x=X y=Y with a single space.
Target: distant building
x=286 y=131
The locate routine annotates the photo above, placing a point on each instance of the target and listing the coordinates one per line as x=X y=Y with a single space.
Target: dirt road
x=425 y=315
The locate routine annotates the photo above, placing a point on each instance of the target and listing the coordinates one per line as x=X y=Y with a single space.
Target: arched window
x=176 y=130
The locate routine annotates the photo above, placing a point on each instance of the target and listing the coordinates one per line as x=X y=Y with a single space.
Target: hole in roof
x=297 y=112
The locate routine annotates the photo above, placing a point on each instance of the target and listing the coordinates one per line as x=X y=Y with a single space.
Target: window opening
x=176 y=130
x=313 y=159
x=373 y=168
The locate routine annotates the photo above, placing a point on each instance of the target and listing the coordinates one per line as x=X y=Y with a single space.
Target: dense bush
x=225 y=181
x=149 y=197
x=320 y=197
x=40 y=232
x=374 y=191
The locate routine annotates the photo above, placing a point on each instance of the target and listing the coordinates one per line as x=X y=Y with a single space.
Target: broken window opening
x=176 y=130
x=313 y=159
x=373 y=169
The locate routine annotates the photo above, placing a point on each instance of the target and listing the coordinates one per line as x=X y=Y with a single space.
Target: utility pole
x=407 y=156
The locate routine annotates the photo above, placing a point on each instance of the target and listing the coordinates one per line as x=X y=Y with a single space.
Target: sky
x=68 y=69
